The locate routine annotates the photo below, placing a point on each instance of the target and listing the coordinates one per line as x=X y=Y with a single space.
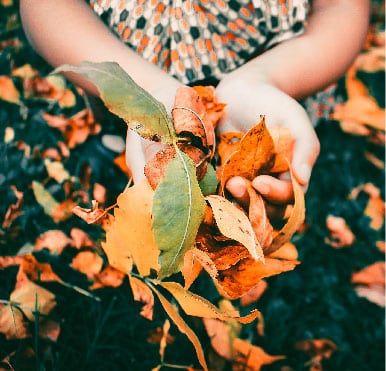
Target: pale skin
x=67 y=31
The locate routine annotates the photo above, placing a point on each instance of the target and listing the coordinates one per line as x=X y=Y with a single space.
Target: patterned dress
x=197 y=40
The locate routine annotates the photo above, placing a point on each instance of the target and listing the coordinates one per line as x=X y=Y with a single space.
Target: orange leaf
x=81 y=239
x=372 y=274
x=88 y=262
x=248 y=357
x=194 y=261
x=8 y=91
x=38 y=271
x=239 y=279
x=109 y=276
x=183 y=327
x=229 y=142
x=195 y=305
x=14 y=210
x=340 y=234
x=142 y=293
x=255 y=155
x=288 y=251
x=317 y=347
x=234 y=224
x=284 y=147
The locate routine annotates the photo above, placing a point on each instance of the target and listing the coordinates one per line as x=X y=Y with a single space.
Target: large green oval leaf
x=123 y=97
x=178 y=210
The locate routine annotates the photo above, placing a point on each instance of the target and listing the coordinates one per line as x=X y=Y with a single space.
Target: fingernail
x=262 y=187
x=304 y=172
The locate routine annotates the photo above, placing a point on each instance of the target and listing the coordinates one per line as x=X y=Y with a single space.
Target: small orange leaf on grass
x=88 y=262
x=54 y=241
x=340 y=233
x=8 y=91
x=372 y=274
x=38 y=271
x=248 y=357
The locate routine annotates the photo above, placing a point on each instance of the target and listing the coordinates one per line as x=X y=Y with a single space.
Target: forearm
x=67 y=31
x=334 y=36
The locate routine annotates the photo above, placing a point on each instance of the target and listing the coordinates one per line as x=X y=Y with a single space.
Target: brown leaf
x=254 y=156
x=142 y=293
x=214 y=110
x=234 y=224
x=9 y=261
x=284 y=146
x=248 y=357
x=373 y=293
x=95 y=215
x=37 y=271
x=258 y=217
x=288 y=251
x=189 y=116
x=229 y=142
x=246 y=274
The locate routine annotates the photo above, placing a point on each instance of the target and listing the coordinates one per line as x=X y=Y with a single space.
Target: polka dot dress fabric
x=195 y=40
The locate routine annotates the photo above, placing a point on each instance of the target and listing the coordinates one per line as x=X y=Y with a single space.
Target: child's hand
x=246 y=100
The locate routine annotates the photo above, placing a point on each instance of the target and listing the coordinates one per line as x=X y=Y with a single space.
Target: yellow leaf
x=183 y=327
x=143 y=294
x=195 y=305
x=130 y=236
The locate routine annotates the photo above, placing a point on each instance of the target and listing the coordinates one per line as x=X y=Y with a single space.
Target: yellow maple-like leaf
x=129 y=237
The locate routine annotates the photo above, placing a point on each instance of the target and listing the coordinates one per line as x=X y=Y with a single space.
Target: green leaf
x=209 y=182
x=178 y=210
x=44 y=198
x=123 y=97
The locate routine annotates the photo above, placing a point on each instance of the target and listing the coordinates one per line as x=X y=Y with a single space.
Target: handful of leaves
x=180 y=219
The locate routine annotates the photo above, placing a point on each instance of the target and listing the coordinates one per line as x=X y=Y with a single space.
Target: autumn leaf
x=189 y=116
x=90 y=216
x=178 y=209
x=182 y=326
x=258 y=217
x=254 y=156
x=208 y=184
x=234 y=224
x=372 y=274
x=28 y=299
x=295 y=220
x=254 y=293
x=37 y=271
x=194 y=261
x=195 y=305
x=129 y=237
x=8 y=91
x=87 y=262
x=340 y=233
x=44 y=198
x=248 y=357
x=240 y=278
x=123 y=97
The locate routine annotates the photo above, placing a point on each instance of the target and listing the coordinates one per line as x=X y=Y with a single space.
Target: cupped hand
x=247 y=99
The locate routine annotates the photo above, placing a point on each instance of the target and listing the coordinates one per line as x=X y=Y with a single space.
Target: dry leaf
x=88 y=262
x=95 y=215
x=248 y=357
x=55 y=241
x=37 y=271
x=373 y=293
x=81 y=239
x=288 y=251
x=254 y=156
x=109 y=276
x=340 y=233
x=239 y=279
x=8 y=91
x=373 y=274
x=234 y=224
